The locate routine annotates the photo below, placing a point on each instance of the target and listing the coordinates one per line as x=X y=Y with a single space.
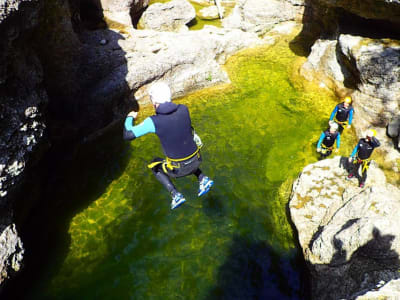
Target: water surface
x=234 y=243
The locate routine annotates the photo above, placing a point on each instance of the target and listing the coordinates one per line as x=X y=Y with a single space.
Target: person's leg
x=353 y=168
x=205 y=183
x=363 y=175
x=198 y=174
x=340 y=128
x=163 y=178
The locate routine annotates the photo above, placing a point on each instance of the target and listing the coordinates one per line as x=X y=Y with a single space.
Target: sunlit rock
x=124 y=12
x=170 y=16
x=261 y=16
x=349 y=235
x=210 y=13
x=11 y=251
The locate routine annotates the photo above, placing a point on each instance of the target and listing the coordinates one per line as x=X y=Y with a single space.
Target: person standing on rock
x=360 y=157
x=180 y=144
x=343 y=114
x=327 y=140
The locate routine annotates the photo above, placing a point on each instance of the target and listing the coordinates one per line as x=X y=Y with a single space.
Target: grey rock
x=170 y=16
x=122 y=11
x=348 y=235
x=394 y=127
x=261 y=16
x=370 y=9
x=187 y=61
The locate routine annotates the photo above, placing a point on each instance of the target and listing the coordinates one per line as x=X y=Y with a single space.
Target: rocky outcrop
x=125 y=12
x=170 y=16
x=369 y=9
x=11 y=252
x=369 y=70
x=349 y=235
x=187 y=61
x=261 y=16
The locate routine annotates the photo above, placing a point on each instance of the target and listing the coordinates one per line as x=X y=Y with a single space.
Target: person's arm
x=354 y=150
x=338 y=141
x=321 y=138
x=351 y=116
x=333 y=113
x=375 y=142
x=132 y=131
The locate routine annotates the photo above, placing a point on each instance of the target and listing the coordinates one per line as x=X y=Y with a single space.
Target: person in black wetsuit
x=360 y=157
x=172 y=124
x=343 y=114
x=327 y=140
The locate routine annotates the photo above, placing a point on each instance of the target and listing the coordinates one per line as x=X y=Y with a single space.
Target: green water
x=236 y=242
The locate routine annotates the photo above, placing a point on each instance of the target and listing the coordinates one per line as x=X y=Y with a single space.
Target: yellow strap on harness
x=365 y=163
x=167 y=162
x=325 y=148
x=344 y=123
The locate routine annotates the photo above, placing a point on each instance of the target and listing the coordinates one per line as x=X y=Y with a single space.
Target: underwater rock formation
x=349 y=235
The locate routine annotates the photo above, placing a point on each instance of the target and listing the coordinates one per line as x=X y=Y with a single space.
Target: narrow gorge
x=78 y=203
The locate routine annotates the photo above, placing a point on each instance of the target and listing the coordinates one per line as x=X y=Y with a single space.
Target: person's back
x=174 y=129
x=173 y=126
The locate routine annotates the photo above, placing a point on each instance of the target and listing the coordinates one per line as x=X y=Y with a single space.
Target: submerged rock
x=349 y=235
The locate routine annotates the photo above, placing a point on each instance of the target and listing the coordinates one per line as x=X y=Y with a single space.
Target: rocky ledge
x=349 y=235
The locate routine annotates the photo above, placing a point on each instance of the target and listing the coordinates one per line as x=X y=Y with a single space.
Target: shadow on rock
x=84 y=129
x=363 y=271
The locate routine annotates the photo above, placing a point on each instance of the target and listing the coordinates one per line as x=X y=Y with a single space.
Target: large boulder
x=261 y=16
x=187 y=61
x=369 y=9
x=170 y=16
x=376 y=63
x=349 y=235
x=125 y=12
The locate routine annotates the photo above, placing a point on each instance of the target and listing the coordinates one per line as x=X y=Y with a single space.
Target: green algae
x=259 y=132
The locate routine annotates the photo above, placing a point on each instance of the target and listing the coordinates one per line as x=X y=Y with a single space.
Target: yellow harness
x=343 y=124
x=364 y=162
x=173 y=163
x=325 y=148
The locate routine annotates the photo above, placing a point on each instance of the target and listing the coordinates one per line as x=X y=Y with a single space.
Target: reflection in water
x=236 y=243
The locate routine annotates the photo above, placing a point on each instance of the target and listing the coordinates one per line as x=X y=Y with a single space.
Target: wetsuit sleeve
x=351 y=116
x=338 y=141
x=134 y=131
x=321 y=138
x=375 y=142
x=333 y=113
x=354 y=150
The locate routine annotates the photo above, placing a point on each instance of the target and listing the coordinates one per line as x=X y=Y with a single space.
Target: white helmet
x=334 y=126
x=160 y=93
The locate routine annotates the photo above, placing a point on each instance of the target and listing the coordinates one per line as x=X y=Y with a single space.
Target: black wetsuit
x=361 y=154
x=172 y=125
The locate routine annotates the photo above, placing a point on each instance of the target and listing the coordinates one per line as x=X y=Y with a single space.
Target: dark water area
x=105 y=229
